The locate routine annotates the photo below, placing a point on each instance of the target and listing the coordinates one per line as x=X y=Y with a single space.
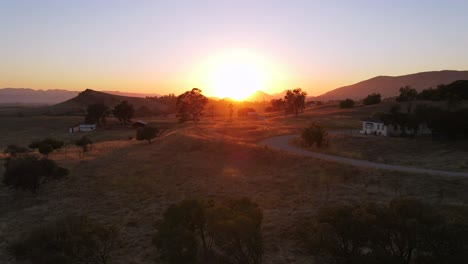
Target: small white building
x=375 y=126
x=87 y=127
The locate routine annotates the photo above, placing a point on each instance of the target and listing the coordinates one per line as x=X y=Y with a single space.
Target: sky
x=171 y=46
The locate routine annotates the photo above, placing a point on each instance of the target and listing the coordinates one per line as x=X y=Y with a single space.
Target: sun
x=236 y=76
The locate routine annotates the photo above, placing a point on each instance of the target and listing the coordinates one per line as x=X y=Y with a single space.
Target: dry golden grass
x=130 y=183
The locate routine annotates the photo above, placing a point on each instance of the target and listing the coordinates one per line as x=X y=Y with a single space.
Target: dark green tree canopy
x=314 y=134
x=147 y=133
x=373 y=98
x=124 y=112
x=347 y=103
x=295 y=101
x=407 y=94
x=96 y=114
x=190 y=105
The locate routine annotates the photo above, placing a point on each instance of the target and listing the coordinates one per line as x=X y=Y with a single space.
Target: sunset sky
x=172 y=46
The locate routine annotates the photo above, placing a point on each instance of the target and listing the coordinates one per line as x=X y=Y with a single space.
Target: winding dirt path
x=282 y=143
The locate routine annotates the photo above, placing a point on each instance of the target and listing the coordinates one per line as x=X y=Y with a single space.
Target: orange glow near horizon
x=235 y=74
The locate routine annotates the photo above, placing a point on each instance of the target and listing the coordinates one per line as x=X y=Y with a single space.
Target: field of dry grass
x=130 y=183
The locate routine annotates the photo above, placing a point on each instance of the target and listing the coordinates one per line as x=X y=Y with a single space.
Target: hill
x=389 y=86
x=259 y=96
x=28 y=96
x=78 y=104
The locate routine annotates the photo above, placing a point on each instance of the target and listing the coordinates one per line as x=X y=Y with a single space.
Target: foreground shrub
x=314 y=134
x=14 y=150
x=29 y=173
x=46 y=146
x=195 y=231
x=73 y=239
x=348 y=103
x=404 y=231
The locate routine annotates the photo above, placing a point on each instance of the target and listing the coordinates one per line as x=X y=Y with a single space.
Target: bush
x=314 y=134
x=46 y=146
x=84 y=142
x=403 y=231
x=147 y=133
x=195 y=231
x=30 y=172
x=348 y=103
x=371 y=99
x=73 y=239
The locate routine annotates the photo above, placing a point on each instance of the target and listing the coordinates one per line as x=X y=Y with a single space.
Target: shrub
x=314 y=134
x=46 y=146
x=371 y=99
x=73 y=239
x=195 y=231
x=348 y=103
x=30 y=172
x=147 y=133
x=84 y=142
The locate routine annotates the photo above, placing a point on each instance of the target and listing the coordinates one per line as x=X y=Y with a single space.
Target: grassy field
x=130 y=183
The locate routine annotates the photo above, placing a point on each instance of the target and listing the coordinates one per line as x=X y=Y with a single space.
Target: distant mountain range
x=389 y=86
x=27 y=96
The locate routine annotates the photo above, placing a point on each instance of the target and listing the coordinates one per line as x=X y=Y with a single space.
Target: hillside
x=389 y=86
x=78 y=104
x=259 y=96
x=28 y=96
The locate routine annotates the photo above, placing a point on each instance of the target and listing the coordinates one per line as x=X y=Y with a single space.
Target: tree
x=83 y=143
x=29 y=173
x=277 y=104
x=190 y=105
x=371 y=99
x=197 y=231
x=314 y=134
x=72 y=239
x=96 y=114
x=124 y=112
x=295 y=100
x=147 y=133
x=347 y=103
x=45 y=149
x=231 y=111
x=407 y=94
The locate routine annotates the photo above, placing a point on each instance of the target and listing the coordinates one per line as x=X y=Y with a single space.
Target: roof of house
x=140 y=122
x=372 y=120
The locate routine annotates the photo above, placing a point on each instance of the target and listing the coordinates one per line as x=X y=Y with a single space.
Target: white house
x=87 y=127
x=375 y=126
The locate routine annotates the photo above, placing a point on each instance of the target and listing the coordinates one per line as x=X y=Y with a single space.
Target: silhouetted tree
x=295 y=100
x=169 y=100
x=348 y=103
x=124 y=112
x=72 y=239
x=190 y=105
x=147 y=133
x=371 y=99
x=46 y=146
x=314 y=134
x=277 y=104
x=96 y=114
x=231 y=111
x=29 y=173
x=407 y=94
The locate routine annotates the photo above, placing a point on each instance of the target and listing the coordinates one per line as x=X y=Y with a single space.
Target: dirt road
x=282 y=143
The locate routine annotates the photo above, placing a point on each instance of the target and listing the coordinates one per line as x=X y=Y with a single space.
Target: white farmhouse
x=373 y=126
x=87 y=127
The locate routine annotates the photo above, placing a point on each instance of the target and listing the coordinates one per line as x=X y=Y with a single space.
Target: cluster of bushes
x=73 y=239
x=404 y=231
x=456 y=90
x=46 y=146
x=197 y=231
